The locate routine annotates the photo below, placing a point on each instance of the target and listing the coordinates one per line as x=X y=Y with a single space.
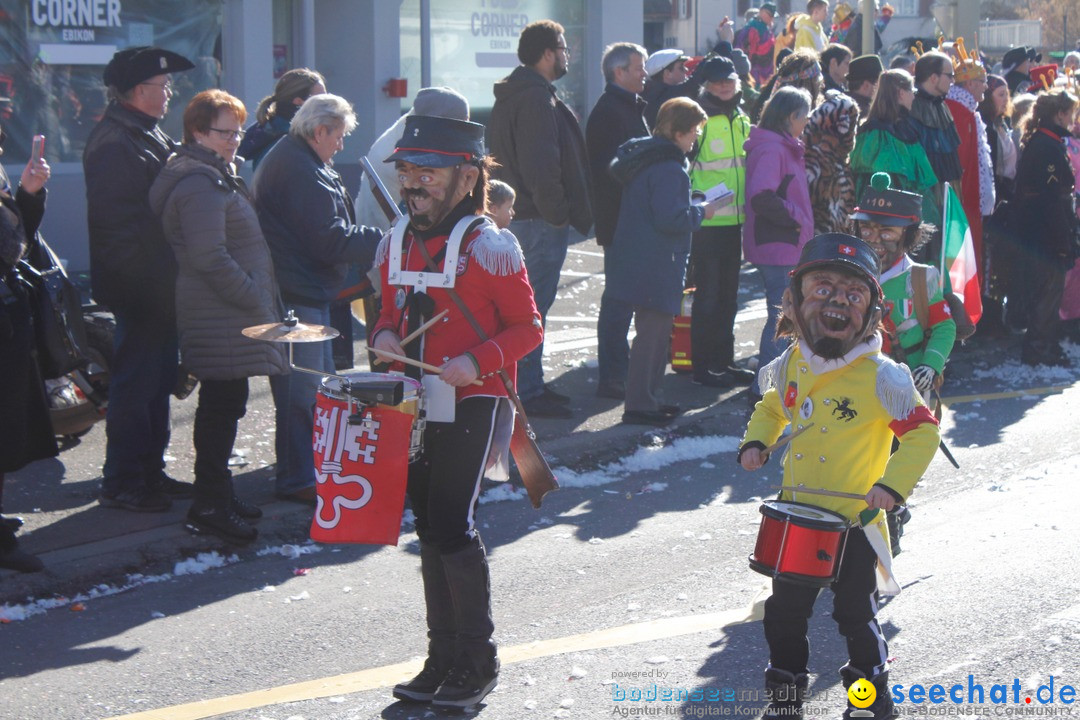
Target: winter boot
x=246 y=510
x=441 y=630
x=786 y=692
x=476 y=667
x=12 y=558
x=221 y=520
x=882 y=707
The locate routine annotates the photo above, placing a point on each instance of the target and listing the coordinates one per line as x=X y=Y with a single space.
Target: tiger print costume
x=829 y=138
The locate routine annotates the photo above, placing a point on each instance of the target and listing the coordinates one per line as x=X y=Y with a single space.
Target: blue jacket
x=307 y=217
x=656 y=219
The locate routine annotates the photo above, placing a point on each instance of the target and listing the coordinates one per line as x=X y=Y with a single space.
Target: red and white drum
x=362 y=455
x=799 y=543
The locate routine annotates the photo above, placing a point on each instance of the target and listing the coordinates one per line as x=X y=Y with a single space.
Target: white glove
x=924 y=378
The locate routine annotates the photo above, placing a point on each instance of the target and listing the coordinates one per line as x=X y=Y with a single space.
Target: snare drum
x=799 y=543
x=362 y=454
x=412 y=402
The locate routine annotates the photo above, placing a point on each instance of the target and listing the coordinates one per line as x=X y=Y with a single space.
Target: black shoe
x=222 y=522
x=671 y=411
x=655 y=418
x=12 y=523
x=422 y=688
x=140 y=500
x=723 y=381
x=740 y=376
x=1051 y=359
x=173 y=488
x=882 y=708
x=24 y=562
x=612 y=389
x=555 y=397
x=465 y=686
x=246 y=510
x=543 y=406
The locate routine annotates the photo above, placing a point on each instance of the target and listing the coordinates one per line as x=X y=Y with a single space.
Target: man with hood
x=540 y=150
x=835 y=377
x=809 y=32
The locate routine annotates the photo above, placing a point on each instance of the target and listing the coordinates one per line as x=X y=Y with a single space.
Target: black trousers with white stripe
x=444 y=484
x=855 y=605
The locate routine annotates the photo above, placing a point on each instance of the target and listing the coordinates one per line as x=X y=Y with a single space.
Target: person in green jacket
x=716 y=251
x=887 y=141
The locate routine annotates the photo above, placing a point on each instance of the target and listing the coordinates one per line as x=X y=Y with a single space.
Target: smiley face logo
x=862 y=693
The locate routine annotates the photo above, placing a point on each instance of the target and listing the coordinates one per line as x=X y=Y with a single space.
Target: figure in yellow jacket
x=835 y=376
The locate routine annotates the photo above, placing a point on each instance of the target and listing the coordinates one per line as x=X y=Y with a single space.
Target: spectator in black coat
x=133 y=272
x=1045 y=222
x=616 y=118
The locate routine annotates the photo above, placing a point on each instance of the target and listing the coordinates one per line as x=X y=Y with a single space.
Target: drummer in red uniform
x=835 y=377
x=443 y=172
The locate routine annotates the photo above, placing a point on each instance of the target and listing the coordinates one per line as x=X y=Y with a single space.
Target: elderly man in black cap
x=862 y=79
x=133 y=273
x=446 y=256
x=1016 y=65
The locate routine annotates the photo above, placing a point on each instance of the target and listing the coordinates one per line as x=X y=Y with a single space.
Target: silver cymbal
x=283 y=333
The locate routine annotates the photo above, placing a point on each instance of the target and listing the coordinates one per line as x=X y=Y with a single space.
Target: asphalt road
x=632 y=576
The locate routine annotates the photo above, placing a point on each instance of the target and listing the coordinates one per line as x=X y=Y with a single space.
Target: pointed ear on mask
x=787 y=305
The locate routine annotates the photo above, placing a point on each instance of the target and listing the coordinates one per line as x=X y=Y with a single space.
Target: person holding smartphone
x=24 y=423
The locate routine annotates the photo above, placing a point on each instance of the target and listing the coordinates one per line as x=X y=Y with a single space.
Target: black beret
x=133 y=65
x=865 y=67
x=433 y=141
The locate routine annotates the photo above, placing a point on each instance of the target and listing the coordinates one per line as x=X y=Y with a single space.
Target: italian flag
x=958 y=255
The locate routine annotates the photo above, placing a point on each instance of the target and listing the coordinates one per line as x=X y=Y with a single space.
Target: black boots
x=12 y=558
x=882 y=707
x=441 y=630
x=786 y=692
x=462 y=667
x=219 y=519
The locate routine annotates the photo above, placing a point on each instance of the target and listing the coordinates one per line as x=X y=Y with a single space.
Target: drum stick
x=409 y=361
x=818 y=491
x=786 y=439
x=422 y=329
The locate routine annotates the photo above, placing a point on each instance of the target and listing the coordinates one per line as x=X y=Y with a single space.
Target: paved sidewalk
x=84 y=545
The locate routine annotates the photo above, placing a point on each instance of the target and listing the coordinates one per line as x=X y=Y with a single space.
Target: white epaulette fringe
x=769 y=376
x=497 y=251
x=895 y=388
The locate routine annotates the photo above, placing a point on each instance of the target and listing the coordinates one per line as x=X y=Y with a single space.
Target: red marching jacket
x=492 y=282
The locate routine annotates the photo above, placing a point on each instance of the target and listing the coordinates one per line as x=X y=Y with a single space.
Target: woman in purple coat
x=779 y=217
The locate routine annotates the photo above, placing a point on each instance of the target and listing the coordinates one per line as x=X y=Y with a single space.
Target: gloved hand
x=923 y=376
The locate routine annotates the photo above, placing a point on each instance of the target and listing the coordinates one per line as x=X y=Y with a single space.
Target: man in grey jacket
x=307 y=217
x=537 y=141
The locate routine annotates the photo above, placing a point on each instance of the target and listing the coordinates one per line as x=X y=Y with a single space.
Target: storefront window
x=53 y=52
x=474 y=45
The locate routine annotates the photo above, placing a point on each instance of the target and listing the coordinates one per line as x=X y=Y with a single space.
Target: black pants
x=716 y=253
x=788 y=611
x=1046 y=283
x=221 y=405
x=444 y=484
